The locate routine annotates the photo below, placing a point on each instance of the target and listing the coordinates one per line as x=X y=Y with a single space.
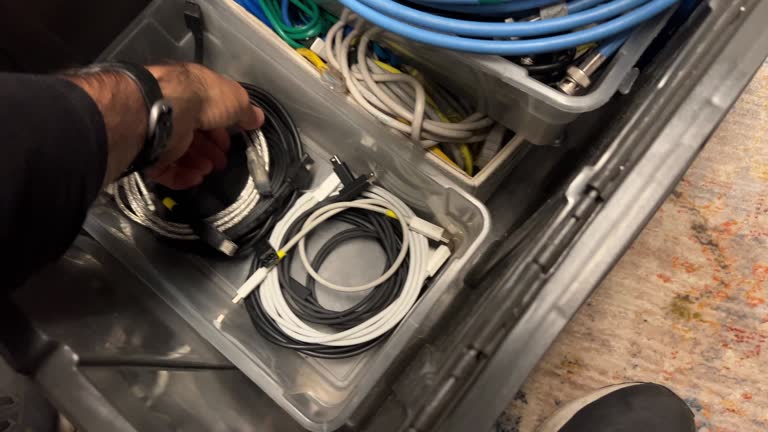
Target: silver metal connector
x=578 y=78
x=258 y=162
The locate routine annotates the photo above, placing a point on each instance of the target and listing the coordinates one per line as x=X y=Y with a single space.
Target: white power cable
x=415 y=246
x=398 y=100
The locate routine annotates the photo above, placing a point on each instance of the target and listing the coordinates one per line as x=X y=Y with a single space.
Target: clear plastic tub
x=504 y=91
x=486 y=180
x=319 y=394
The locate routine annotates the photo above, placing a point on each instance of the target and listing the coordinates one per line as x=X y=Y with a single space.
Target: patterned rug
x=686 y=306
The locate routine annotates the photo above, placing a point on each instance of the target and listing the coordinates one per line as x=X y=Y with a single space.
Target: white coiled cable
x=414 y=245
x=396 y=99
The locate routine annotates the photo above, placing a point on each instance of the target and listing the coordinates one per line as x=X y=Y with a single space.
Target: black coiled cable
x=287 y=171
x=287 y=175
x=302 y=299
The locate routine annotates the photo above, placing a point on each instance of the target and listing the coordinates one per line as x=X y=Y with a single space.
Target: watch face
x=160 y=127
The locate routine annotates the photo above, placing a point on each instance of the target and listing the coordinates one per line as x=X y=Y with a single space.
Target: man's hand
x=205 y=104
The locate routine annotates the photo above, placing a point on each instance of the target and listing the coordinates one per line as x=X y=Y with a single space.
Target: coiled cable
x=288 y=313
x=243 y=226
x=588 y=21
x=397 y=100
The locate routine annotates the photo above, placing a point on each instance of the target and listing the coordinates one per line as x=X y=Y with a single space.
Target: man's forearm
x=125 y=112
x=52 y=167
x=200 y=98
x=65 y=137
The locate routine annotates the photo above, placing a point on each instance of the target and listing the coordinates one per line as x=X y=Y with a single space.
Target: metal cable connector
x=578 y=78
x=258 y=162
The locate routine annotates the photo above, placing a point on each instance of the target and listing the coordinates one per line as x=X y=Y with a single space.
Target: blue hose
x=610 y=18
x=610 y=46
x=503 y=9
x=580 y=5
x=285 y=14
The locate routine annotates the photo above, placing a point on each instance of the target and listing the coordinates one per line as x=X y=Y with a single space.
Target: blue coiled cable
x=255 y=9
x=588 y=21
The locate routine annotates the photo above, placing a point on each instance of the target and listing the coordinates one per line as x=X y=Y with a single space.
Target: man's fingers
x=225 y=102
x=252 y=118
x=177 y=147
x=194 y=161
x=177 y=178
x=185 y=179
x=248 y=116
x=220 y=137
x=207 y=148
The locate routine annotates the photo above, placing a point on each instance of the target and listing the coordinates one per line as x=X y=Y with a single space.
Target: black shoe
x=629 y=407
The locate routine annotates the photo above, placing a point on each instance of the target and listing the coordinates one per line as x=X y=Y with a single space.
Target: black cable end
x=298 y=173
x=299 y=290
x=193 y=17
x=214 y=238
x=354 y=189
x=342 y=171
x=269 y=258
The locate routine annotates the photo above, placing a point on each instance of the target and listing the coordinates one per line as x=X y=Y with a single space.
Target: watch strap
x=158 y=133
x=147 y=83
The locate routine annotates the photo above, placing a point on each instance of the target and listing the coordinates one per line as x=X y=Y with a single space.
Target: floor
x=686 y=306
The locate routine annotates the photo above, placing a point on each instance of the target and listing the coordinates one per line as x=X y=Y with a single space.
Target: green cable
x=319 y=21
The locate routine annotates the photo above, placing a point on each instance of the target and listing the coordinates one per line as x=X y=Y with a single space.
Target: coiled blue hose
x=588 y=21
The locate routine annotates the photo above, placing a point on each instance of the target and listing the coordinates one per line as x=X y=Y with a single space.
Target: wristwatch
x=160 y=122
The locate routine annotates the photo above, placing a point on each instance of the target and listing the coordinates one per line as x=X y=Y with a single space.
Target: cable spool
x=289 y=314
x=233 y=211
x=587 y=21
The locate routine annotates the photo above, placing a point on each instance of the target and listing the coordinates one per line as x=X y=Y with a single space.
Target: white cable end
x=251 y=284
x=438 y=259
x=228 y=247
x=427 y=229
x=318 y=47
x=327 y=187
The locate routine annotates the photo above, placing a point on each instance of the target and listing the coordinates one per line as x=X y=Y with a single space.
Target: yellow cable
x=387 y=67
x=313 y=58
x=466 y=154
x=581 y=49
x=468 y=159
x=439 y=153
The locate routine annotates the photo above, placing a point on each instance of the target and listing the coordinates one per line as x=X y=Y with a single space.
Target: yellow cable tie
x=280 y=254
x=169 y=203
x=391 y=214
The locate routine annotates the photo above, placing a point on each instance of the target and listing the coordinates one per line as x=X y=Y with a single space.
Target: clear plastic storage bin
x=504 y=91
x=319 y=394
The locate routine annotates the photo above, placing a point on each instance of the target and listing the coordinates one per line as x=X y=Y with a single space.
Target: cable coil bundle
x=288 y=313
x=586 y=21
x=402 y=99
x=397 y=100
x=295 y=21
x=241 y=227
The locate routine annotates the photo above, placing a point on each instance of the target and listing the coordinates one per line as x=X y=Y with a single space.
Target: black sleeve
x=52 y=165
